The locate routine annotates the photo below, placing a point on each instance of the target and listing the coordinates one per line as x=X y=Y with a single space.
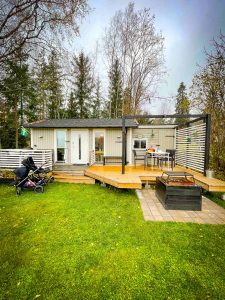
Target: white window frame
x=137 y=139
x=55 y=144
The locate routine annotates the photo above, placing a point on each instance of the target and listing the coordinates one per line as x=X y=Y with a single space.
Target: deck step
x=70 y=173
x=74 y=178
x=68 y=167
x=83 y=181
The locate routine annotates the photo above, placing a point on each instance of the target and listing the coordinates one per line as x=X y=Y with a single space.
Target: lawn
x=216 y=197
x=89 y=242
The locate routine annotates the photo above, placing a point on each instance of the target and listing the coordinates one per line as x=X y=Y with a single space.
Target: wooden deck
x=134 y=177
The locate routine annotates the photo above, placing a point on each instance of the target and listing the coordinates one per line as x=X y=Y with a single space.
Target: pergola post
x=207 y=142
x=123 y=145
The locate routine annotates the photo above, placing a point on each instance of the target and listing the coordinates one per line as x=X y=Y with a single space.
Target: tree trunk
x=16 y=124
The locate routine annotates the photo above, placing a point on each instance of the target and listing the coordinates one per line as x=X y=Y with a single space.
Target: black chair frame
x=138 y=157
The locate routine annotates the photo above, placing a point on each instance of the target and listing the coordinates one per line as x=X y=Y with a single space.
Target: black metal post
x=190 y=122
x=165 y=116
x=123 y=145
x=126 y=146
x=187 y=148
x=207 y=142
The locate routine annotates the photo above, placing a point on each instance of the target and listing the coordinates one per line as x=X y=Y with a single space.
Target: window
x=139 y=143
x=61 y=145
x=99 y=145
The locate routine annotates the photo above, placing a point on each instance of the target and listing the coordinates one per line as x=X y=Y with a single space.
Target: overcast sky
x=188 y=26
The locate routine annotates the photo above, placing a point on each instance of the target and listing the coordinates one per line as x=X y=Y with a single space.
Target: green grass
x=89 y=242
x=216 y=197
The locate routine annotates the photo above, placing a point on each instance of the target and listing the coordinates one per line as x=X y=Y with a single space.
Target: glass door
x=99 y=137
x=60 y=145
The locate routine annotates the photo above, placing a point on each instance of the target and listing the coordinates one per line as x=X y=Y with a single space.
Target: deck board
x=135 y=176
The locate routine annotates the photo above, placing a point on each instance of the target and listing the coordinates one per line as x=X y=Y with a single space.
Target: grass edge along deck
x=134 y=177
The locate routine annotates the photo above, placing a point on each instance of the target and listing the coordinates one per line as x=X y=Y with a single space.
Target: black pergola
x=197 y=117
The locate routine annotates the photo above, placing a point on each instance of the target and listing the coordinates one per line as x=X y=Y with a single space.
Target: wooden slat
x=12 y=158
x=191 y=153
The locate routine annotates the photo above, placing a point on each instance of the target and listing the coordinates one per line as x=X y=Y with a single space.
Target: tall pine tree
x=182 y=104
x=72 y=107
x=18 y=98
x=115 y=90
x=83 y=85
x=42 y=86
x=96 y=104
x=54 y=87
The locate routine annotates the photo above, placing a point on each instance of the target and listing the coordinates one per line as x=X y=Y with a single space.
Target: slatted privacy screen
x=190 y=146
x=12 y=158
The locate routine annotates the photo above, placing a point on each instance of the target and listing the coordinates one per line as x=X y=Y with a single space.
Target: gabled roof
x=82 y=123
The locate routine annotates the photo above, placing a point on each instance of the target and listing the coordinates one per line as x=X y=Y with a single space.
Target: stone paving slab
x=153 y=210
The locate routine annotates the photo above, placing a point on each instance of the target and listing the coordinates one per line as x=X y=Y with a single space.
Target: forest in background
x=40 y=79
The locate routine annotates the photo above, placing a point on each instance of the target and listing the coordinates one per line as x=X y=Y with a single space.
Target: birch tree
x=208 y=96
x=132 y=39
x=31 y=22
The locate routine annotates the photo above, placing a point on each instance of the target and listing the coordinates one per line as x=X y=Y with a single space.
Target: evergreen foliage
x=18 y=101
x=105 y=112
x=42 y=86
x=54 y=87
x=83 y=85
x=49 y=87
x=182 y=104
x=97 y=100
x=115 y=90
x=127 y=102
x=72 y=107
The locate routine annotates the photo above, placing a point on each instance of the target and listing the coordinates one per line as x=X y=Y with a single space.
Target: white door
x=79 y=146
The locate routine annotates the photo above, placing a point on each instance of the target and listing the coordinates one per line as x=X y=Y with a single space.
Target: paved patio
x=153 y=210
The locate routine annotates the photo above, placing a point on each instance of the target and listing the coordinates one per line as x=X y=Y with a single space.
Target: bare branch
x=22 y=21
x=132 y=39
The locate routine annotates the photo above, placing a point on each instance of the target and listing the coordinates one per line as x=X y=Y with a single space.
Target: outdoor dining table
x=157 y=155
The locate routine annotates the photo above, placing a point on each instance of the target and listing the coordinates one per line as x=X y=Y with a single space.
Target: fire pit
x=177 y=190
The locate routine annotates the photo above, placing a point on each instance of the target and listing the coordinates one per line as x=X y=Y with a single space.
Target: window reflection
x=99 y=146
x=61 y=141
